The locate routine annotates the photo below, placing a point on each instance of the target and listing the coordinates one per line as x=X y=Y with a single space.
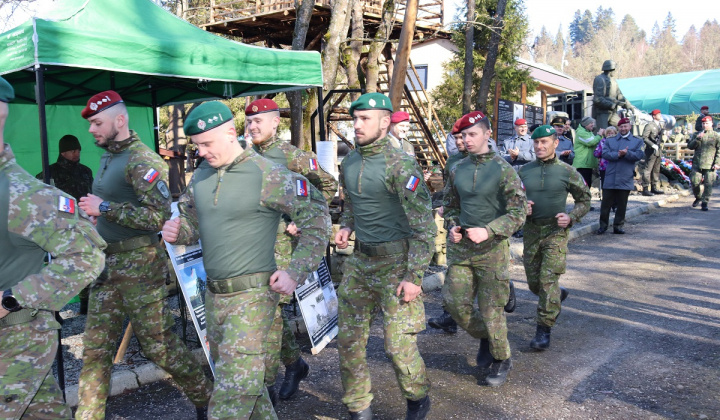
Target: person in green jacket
x=585 y=143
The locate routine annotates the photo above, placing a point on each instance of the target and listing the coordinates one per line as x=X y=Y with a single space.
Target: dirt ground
x=638 y=338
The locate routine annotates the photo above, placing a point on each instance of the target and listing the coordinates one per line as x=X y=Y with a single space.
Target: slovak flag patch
x=66 y=205
x=313 y=165
x=302 y=190
x=413 y=183
x=151 y=175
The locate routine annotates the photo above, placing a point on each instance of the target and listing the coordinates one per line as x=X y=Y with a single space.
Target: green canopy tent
x=674 y=94
x=148 y=55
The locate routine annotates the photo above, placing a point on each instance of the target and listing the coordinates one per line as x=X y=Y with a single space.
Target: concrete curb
x=127 y=380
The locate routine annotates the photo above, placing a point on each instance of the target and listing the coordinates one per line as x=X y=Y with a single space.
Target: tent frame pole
x=156 y=122
x=40 y=99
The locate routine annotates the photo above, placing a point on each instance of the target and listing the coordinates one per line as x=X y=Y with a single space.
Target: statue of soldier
x=607 y=97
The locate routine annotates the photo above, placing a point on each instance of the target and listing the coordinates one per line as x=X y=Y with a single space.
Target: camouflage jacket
x=386 y=200
x=707 y=150
x=402 y=144
x=652 y=136
x=133 y=179
x=35 y=219
x=547 y=184
x=73 y=178
x=484 y=191
x=300 y=162
x=235 y=211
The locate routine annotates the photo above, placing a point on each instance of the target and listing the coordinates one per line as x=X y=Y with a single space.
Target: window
x=422 y=70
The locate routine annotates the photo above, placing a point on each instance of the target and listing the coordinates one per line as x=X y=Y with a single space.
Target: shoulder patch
x=66 y=205
x=151 y=175
x=313 y=164
x=163 y=189
x=412 y=183
x=301 y=188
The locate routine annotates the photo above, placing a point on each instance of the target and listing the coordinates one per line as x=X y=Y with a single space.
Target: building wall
x=433 y=54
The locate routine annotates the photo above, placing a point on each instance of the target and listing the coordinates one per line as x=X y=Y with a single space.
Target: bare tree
x=304 y=10
x=352 y=61
x=334 y=38
x=469 y=58
x=378 y=45
x=491 y=58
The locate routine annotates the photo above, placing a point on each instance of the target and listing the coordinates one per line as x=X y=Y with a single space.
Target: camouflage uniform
x=134 y=180
x=32 y=223
x=707 y=154
x=402 y=144
x=73 y=178
x=234 y=211
x=283 y=346
x=547 y=184
x=650 y=168
x=387 y=204
x=482 y=191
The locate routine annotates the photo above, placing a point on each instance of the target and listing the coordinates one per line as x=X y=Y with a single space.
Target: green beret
x=543 y=131
x=371 y=101
x=206 y=117
x=7 y=93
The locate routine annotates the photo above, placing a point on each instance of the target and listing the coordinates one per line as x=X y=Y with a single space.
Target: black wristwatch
x=9 y=303
x=104 y=207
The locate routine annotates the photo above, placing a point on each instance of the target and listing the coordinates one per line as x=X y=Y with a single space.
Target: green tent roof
x=148 y=55
x=674 y=94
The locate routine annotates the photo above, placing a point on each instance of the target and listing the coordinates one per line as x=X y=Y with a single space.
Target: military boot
x=202 y=412
x=484 y=358
x=366 y=414
x=498 y=372
x=657 y=191
x=646 y=192
x=444 y=322
x=704 y=207
x=294 y=373
x=512 y=301
x=272 y=391
x=696 y=202
x=542 y=338
x=418 y=410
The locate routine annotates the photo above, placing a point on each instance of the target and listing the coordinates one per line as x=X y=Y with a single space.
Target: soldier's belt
x=132 y=243
x=543 y=222
x=19 y=317
x=239 y=283
x=383 y=248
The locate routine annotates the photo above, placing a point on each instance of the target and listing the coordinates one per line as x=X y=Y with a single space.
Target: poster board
x=318 y=304
x=508 y=112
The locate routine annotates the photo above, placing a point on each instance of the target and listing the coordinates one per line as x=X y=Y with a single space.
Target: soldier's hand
x=3 y=312
x=529 y=207
x=426 y=175
x=563 y=220
x=91 y=204
x=171 y=230
x=565 y=152
x=455 y=235
x=342 y=237
x=292 y=229
x=93 y=219
x=477 y=235
x=622 y=152
x=280 y=282
x=409 y=291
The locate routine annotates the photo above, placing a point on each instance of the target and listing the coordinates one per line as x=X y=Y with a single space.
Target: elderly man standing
x=547 y=183
x=36 y=219
x=484 y=204
x=262 y=118
x=233 y=204
x=585 y=144
x=518 y=149
x=131 y=201
x=399 y=127
x=705 y=162
x=652 y=137
x=621 y=153
x=388 y=206
x=564 y=150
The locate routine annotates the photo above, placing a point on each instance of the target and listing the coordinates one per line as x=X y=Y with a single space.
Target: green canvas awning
x=674 y=94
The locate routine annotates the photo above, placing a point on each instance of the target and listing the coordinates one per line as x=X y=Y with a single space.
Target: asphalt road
x=638 y=338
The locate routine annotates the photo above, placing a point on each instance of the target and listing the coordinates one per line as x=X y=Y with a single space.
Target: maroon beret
x=707 y=118
x=470 y=119
x=624 y=121
x=520 y=121
x=399 y=116
x=260 y=106
x=100 y=102
x=655 y=111
x=704 y=107
x=456 y=127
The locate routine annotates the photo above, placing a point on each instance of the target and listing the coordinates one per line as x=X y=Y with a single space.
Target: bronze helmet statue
x=608 y=65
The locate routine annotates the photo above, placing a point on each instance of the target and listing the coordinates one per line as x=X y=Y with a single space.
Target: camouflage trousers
x=483 y=277
x=28 y=389
x=704 y=177
x=237 y=326
x=135 y=287
x=282 y=346
x=545 y=250
x=369 y=284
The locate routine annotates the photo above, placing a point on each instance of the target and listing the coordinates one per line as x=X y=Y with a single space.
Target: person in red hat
x=398 y=131
x=131 y=201
x=518 y=149
x=704 y=112
x=262 y=118
x=622 y=153
x=706 y=161
x=650 y=168
x=484 y=204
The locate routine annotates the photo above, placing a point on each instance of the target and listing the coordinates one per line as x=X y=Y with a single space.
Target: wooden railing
x=677 y=151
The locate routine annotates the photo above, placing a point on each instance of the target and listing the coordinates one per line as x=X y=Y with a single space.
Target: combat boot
x=484 y=358
x=512 y=301
x=657 y=191
x=273 y=395
x=294 y=373
x=418 y=410
x=498 y=372
x=444 y=322
x=202 y=412
x=542 y=338
x=704 y=207
x=696 y=202
x=366 y=414
x=646 y=192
